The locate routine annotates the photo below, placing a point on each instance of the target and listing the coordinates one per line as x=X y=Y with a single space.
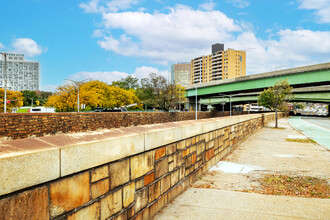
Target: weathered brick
x=111 y=204
x=119 y=173
x=128 y=194
x=139 y=183
x=154 y=191
x=165 y=184
x=100 y=188
x=31 y=204
x=188 y=142
x=159 y=153
x=179 y=159
x=142 y=164
x=121 y=216
x=193 y=158
x=181 y=145
x=69 y=193
x=200 y=147
x=99 y=173
x=192 y=149
x=149 y=178
x=175 y=177
x=185 y=152
x=90 y=212
x=170 y=158
x=170 y=149
x=209 y=154
x=161 y=168
x=142 y=199
x=188 y=161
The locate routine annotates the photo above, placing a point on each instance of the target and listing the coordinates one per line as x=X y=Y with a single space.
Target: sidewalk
x=218 y=194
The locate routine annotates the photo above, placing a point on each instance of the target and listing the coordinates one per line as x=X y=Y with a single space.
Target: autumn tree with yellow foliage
x=92 y=94
x=13 y=97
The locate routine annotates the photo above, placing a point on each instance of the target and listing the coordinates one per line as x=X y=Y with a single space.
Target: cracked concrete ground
x=269 y=150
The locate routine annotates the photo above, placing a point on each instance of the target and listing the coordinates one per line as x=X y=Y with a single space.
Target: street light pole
x=5 y=82
x=78 y=83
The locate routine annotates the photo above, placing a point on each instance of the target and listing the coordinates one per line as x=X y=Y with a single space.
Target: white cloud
x=208 y=5
x=108 y=77
x=116 y=5
x=144 y=71
x=292 y=49
x=239 y=3
x=182 y=33
x=97 y=33
x=27 y=46
x=95 y=6
x=91 y=7
x=322 y=8
x=2 y=46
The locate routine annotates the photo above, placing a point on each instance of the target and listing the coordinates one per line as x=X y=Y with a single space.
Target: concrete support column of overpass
x=192 y=104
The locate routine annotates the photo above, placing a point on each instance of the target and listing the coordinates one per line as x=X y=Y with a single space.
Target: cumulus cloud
x=182 y=33
x=321 y=7
x=95 y=6
x=90 y=7
x=208 y=5
x=27 y=46
x=239 y=3
x=144 y=71
x=2 y=46
x=108 y=77
x=291 y=49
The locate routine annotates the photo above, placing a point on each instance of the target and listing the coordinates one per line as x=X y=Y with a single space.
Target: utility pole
x=200 y=81
x=5 y=82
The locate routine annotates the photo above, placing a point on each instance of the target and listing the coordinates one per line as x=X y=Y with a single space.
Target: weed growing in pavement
x=305 y=140
x=301 y=186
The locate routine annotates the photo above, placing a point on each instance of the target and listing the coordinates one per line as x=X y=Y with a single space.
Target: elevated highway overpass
x=310 y=83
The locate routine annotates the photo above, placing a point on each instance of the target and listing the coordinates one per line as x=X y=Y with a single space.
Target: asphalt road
x=317 y=121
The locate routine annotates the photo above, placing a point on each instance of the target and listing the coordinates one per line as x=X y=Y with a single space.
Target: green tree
x=28 y=97
x=127 y=83
x=157 y=92
x=275 y=97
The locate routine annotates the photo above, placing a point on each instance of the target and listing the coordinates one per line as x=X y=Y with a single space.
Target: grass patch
x=302 y=186
x=300 y=140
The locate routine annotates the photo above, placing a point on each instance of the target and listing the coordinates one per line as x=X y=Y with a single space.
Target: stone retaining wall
x=24 y=125
x=126 y=173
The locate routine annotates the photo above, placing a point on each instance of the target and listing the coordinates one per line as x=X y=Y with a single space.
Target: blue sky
x=109 y=39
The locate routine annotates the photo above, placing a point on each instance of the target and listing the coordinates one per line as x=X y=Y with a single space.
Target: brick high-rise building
x=221 y=64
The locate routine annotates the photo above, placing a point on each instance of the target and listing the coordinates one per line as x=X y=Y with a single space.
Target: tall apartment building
x=180 y=74
x=20 y=74
x=221 y=64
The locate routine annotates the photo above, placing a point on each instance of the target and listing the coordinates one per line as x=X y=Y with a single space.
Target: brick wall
x=25 y=125
x=132 y=187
